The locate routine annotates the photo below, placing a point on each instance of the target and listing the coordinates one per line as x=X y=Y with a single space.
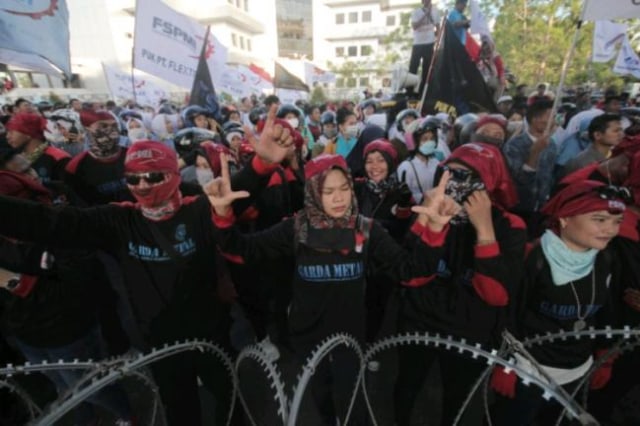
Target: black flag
x=455 y=85
x=283 y=79
x=203 y=93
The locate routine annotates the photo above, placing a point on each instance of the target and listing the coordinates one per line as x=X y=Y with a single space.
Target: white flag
x=233 y=83
x=255 y=82
x=607 y=36
x=478 y=21
x=628 y=62
x=35 y=27
x=122 y=85
x=167 y=44
x=315 y=75
x=599 y=10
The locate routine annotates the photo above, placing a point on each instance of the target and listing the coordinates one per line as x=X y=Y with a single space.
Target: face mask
x=137 y=134
x=330 y=134
x=293 y=122
x=103 y=142
x=351 y=132
x=428 y=148
x=460 y=191
x=204 y=176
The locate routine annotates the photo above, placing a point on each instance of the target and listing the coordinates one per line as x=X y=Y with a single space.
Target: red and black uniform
x=98 y=181
x=169 y=275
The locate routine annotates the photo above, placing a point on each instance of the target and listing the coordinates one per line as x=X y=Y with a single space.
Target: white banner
x=122 y=85
x=167 y=44
x=255 y=83
x=628 y=62
x=232 y=83
x=607 y=37
x=315 y=75
x=478 y=21
x=287 y=96
x=602 y=10
x=28 y=61
x=36 y=27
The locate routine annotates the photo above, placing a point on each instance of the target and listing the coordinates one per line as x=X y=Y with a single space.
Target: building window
x=339 y=18
x=234 y=40
x=353 y=17
x=241 y=42
x=339 y=82
x=339 y=52
x=366 y=16
x=364 y=81
x=365 y=50
x=238 y=3
x=245 y=5
x=352 y=82
x=249 y=45
x=391 y=20
x=230 y=1
x=352 y=51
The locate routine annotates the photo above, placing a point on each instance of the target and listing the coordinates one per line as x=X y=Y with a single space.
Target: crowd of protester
x=128 y=227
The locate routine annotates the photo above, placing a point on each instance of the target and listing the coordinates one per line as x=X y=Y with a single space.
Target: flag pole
x=565 y=67
x=133 y=78
x=433 y=60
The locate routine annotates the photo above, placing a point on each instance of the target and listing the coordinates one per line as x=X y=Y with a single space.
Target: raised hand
x=274 y=141
x=437 y=208
x=219 y=191
x=478 y=207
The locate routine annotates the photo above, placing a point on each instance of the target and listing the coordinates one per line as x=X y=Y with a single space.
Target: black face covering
x=460 y=192
x=103 y=142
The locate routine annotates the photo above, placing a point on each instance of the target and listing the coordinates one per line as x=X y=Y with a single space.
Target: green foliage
x=533 y=37
x=54 y=98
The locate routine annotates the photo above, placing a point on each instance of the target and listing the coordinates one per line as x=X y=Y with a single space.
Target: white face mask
x=204 y=176
x=351 y=131
x=293 y=122
x=137 y=134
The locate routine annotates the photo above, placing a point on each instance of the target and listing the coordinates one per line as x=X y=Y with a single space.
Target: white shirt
x=418 y=175
x=426 y=32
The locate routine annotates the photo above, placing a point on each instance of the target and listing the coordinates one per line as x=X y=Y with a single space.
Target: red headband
x=213 y=151
x=87 y=118
x=324 y=162
x=581 y=198
x=150 y=156
x=487 y=161
x=492 y=118
x=32 y=125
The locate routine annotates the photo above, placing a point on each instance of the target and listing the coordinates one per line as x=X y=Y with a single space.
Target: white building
x=352 y=31
x=102 y=31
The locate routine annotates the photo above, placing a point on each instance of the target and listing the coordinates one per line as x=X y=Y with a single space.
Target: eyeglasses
x=459 y=175
x=152 y=178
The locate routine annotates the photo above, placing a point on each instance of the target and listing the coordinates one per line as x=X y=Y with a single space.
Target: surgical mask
x=137 y=134
x=428 y=148
x=330 y=133
x=351 y=132
x=204 y=176
x=293 y=122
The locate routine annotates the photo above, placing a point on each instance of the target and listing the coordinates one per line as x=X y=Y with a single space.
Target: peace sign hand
x=437 y=208
x=219 y=191
x=274 y=141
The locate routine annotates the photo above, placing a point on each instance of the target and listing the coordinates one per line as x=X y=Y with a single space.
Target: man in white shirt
x=424 y=22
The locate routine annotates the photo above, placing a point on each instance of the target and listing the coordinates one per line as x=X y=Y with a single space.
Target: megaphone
x=401 y=79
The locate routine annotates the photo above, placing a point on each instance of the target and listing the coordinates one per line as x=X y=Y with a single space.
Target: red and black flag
x=455 y=84
x=203 y=93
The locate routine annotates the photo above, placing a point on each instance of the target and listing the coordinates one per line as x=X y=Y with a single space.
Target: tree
x=317 y=95
x=533 y=37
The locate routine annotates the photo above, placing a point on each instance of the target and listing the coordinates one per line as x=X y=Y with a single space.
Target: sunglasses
x=151 y=178
x=459 y=175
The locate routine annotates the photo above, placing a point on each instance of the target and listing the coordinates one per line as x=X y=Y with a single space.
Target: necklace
x=580 y=323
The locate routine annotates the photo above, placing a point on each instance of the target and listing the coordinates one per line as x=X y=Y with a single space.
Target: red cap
x=150 y=156
x=492 y=118
x=28 y=123
x=213 y=151
x=384 y=147
x=87 y=118
x=324 y=162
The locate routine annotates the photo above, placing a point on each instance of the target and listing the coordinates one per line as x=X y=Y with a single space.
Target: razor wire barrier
x=321 y=351
x=33 y=408
x=106 y=372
